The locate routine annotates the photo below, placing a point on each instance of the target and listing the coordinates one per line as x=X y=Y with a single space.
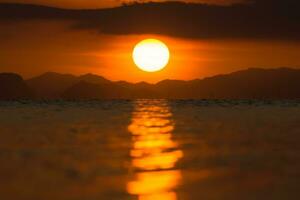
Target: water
x=150 y=149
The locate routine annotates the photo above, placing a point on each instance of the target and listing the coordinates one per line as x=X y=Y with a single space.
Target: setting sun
x=151 y=55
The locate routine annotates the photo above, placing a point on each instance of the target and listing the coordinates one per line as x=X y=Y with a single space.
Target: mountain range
x=253 y=83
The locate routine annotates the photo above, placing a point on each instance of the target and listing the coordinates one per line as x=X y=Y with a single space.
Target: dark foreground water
x=150 y=150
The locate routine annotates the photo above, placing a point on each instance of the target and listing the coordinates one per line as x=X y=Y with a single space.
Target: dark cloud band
x=277 y=19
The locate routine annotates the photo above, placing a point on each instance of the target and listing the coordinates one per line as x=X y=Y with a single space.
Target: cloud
x=272 y=19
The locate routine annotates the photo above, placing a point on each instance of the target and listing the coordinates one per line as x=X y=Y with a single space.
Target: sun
x=151 y=55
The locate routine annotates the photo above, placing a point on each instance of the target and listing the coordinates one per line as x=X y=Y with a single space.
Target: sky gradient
x=105 y=3
x=203 y=40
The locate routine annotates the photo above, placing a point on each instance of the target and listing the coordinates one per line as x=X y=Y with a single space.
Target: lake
x=150 y=149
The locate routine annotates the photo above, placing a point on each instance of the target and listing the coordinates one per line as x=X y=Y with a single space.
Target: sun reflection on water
x=154 y=153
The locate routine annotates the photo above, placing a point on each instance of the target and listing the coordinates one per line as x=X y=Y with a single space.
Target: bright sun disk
x=151 y=55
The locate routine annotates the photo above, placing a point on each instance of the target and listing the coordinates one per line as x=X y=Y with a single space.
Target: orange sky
x=49 y=46
x=103 y=3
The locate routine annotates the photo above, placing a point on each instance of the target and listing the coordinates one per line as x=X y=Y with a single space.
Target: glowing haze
x=79 y=42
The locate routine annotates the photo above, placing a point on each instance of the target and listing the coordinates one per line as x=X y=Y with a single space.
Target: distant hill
x=92 y=78
x=253 y=83
x=51 y=85
x=12 y=86
x=90 y=90
x=282 y=83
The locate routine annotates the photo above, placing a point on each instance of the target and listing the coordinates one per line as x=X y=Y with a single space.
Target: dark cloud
x=275 y=19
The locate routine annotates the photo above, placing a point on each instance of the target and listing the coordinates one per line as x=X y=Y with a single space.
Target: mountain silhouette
x=253 y=83
x=51 y=85
x=12 y=86
x=282 y=83
x=90 y=90
x=92 y=78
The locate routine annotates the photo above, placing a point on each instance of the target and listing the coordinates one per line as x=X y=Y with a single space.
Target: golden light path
x=151 y=55
x=154 y=154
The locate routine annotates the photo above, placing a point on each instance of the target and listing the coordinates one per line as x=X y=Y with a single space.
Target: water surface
x=150 y=149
